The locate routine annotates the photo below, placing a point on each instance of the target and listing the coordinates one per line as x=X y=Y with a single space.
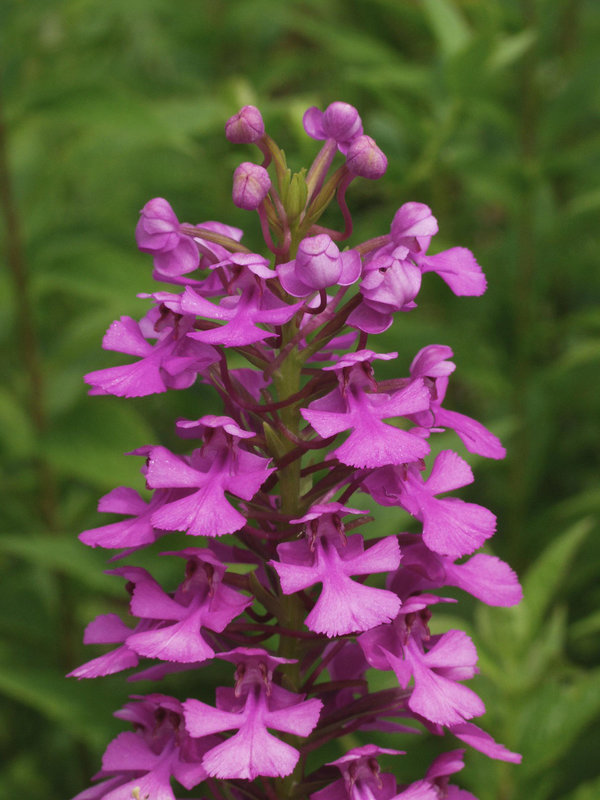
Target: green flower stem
x=287 y=383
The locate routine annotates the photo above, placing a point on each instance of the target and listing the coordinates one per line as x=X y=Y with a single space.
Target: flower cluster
x=275 y=583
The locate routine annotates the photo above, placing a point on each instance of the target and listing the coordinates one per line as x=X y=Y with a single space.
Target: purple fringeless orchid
x=287 y=606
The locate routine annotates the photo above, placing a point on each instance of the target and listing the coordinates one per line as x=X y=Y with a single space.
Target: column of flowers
x=270 y=481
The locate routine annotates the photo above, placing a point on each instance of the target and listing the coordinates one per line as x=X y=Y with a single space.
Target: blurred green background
x=488 y=110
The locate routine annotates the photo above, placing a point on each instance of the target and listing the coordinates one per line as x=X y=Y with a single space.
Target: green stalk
x=287 y=383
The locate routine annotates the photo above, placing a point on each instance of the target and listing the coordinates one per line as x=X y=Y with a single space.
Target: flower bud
x=158 y=227
x=251 y=184
x=365 y=159
x=246 y=126
x=413 y=226
x=318 y=261
x=339 y=121
x=319 y=264
x=296 y=195
x=158 y=233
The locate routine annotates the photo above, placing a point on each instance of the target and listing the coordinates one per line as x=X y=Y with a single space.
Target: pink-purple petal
x=459 y=269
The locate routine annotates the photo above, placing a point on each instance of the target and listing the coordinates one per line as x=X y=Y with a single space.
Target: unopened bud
x=251 y=184
x=340 y=121
x=365 y=159
x=296 y=196
x=246 y=126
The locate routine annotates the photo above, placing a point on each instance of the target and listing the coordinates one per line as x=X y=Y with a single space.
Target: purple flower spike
x=158 y=233
x=280 y=585
x=251 y=184
x=319 y=264
x=339 y=121
x=245 y=127
x=365 y=159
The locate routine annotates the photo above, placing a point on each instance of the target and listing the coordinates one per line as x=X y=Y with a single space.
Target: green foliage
x=539 y=703
x=489 y=113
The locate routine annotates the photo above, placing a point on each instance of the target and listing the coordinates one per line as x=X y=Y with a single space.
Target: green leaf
x=449 y=26
x=64 y=553
x=590 y=790
x=511 y=49
x=553 y=717
x=90 y=442
x=16 y=432
x=79 y=707
x=542 y=584
x=585 y=627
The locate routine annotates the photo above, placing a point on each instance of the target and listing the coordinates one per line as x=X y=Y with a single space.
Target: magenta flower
x=255 y=705
x=242 y=313
x=219 y=467
x=202 y=601
x=144 y=762
x=173 y=362
x=485 y=577
x=361 y=777
x=210 y=254
x=412 y=227
x=365 y=159
x=470 y=734
x=132 y=533
x=372 y=443
x=109 y=629
x=438 y=775
x=390 y=283
x=451 y=526
x=435 y=663
x=343 y=606
x=430 y=363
